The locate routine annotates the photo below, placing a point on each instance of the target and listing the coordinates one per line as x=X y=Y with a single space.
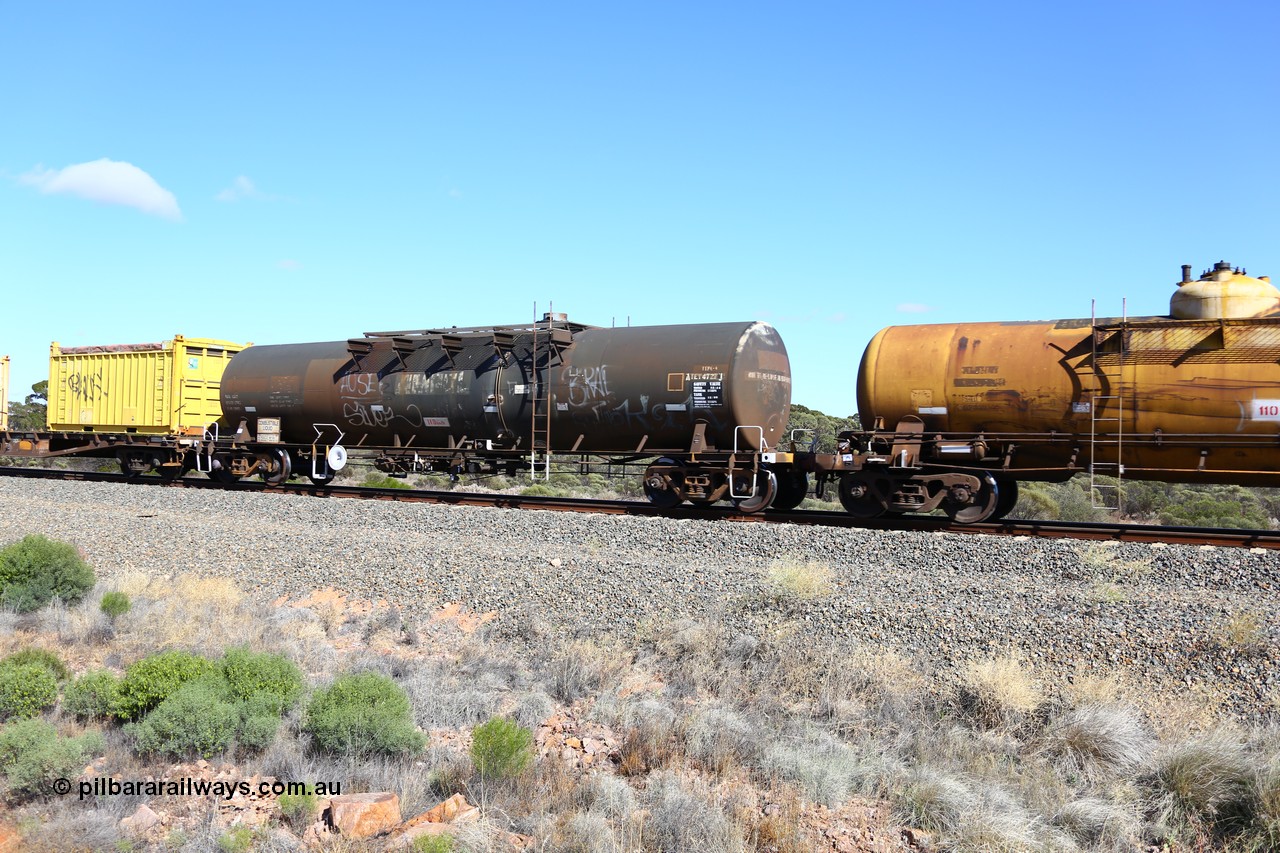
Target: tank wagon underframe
x=975 y=478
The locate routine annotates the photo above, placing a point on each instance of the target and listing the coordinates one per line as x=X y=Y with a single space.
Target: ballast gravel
x=1200 y=617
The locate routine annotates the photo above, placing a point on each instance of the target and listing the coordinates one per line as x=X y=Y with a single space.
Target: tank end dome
x=1223 y=293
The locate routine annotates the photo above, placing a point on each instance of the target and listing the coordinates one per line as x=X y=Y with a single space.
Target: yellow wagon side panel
x=148 y=389
x=198 y=367
x=4 y=392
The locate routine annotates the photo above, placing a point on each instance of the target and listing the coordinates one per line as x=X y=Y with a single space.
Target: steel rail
x=1223 y=537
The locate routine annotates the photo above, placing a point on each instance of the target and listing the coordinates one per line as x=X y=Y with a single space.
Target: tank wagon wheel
x=793 y=487
x=277 y=466
x=1007 y=498
x=766 y=491
x=859 y=499
x=660 y=486
x=971 y=509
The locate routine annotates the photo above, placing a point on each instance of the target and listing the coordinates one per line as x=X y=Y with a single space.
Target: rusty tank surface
x=1190 y=397
x=445 y=399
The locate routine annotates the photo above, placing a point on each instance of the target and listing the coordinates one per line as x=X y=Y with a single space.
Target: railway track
x=1221 y=537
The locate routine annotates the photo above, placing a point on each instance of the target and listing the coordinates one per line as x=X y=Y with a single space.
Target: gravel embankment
x=1156 y=613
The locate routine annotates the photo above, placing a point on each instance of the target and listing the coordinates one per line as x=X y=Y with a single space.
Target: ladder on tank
x=546 y=350
x=1106 y=423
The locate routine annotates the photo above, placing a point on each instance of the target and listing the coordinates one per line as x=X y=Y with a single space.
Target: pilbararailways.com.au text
x=106 y=786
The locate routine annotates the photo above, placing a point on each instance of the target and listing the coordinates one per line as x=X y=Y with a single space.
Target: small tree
x=115 y=605
x=501 y=748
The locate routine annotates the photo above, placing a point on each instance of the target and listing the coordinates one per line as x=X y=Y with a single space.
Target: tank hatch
x=1223 y=293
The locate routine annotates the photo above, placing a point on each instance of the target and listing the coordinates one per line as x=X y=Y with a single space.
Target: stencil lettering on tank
x=1266 y=410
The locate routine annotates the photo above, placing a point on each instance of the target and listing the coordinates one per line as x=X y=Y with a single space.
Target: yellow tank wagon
x=959 y=412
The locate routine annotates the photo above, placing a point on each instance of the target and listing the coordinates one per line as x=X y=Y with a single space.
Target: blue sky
x=283 y=172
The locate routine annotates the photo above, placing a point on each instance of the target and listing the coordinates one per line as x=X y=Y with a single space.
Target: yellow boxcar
x=169 y=388
x=4 y=392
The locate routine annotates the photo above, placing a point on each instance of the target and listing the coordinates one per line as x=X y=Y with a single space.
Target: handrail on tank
x=315 y=470
x=210 y=440
x=813 y=444
x=755 y=459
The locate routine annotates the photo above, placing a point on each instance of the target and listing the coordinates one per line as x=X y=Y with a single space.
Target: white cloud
x=913 y=308
x=242 y=188
x=108 y=182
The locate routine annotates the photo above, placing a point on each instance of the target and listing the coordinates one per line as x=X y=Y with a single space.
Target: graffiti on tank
x=378 y=415
x=359 y=386
x=626 y=416
x=588 y=386
x=86 y=386
x=361 y=399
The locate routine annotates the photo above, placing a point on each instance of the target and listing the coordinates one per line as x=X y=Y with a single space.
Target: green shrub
x=92 y=695
x=538 y=490
x=40 y=657
x=273 y=678
x=35 y=570
x=32 y=755
x=26 y=689
x=197 y=718
x=501 y=748
x=115 y=605
x=363 y=714
x=259 y=721
x=151 y=680
x=236 y=840
x=298 y=809
x=442 y=843
x=381 y=481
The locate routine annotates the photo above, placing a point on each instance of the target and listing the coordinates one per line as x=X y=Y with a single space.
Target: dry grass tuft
x=1200 y=786
x=793 y=581
x=719 y=738
x=584 y=667
x=684 y=814
x=1097 y=740
x=1101 y=560
x=649 y=737
x=997 y=693
x=825 y=768
x=934 y=801
x=1096 y=822
x=1089 y=688
x=191 y=612
x=1242 y=631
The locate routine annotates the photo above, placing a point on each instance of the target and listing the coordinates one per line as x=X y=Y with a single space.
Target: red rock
x=140 y=821
x=456 y=809
x=364 y=815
